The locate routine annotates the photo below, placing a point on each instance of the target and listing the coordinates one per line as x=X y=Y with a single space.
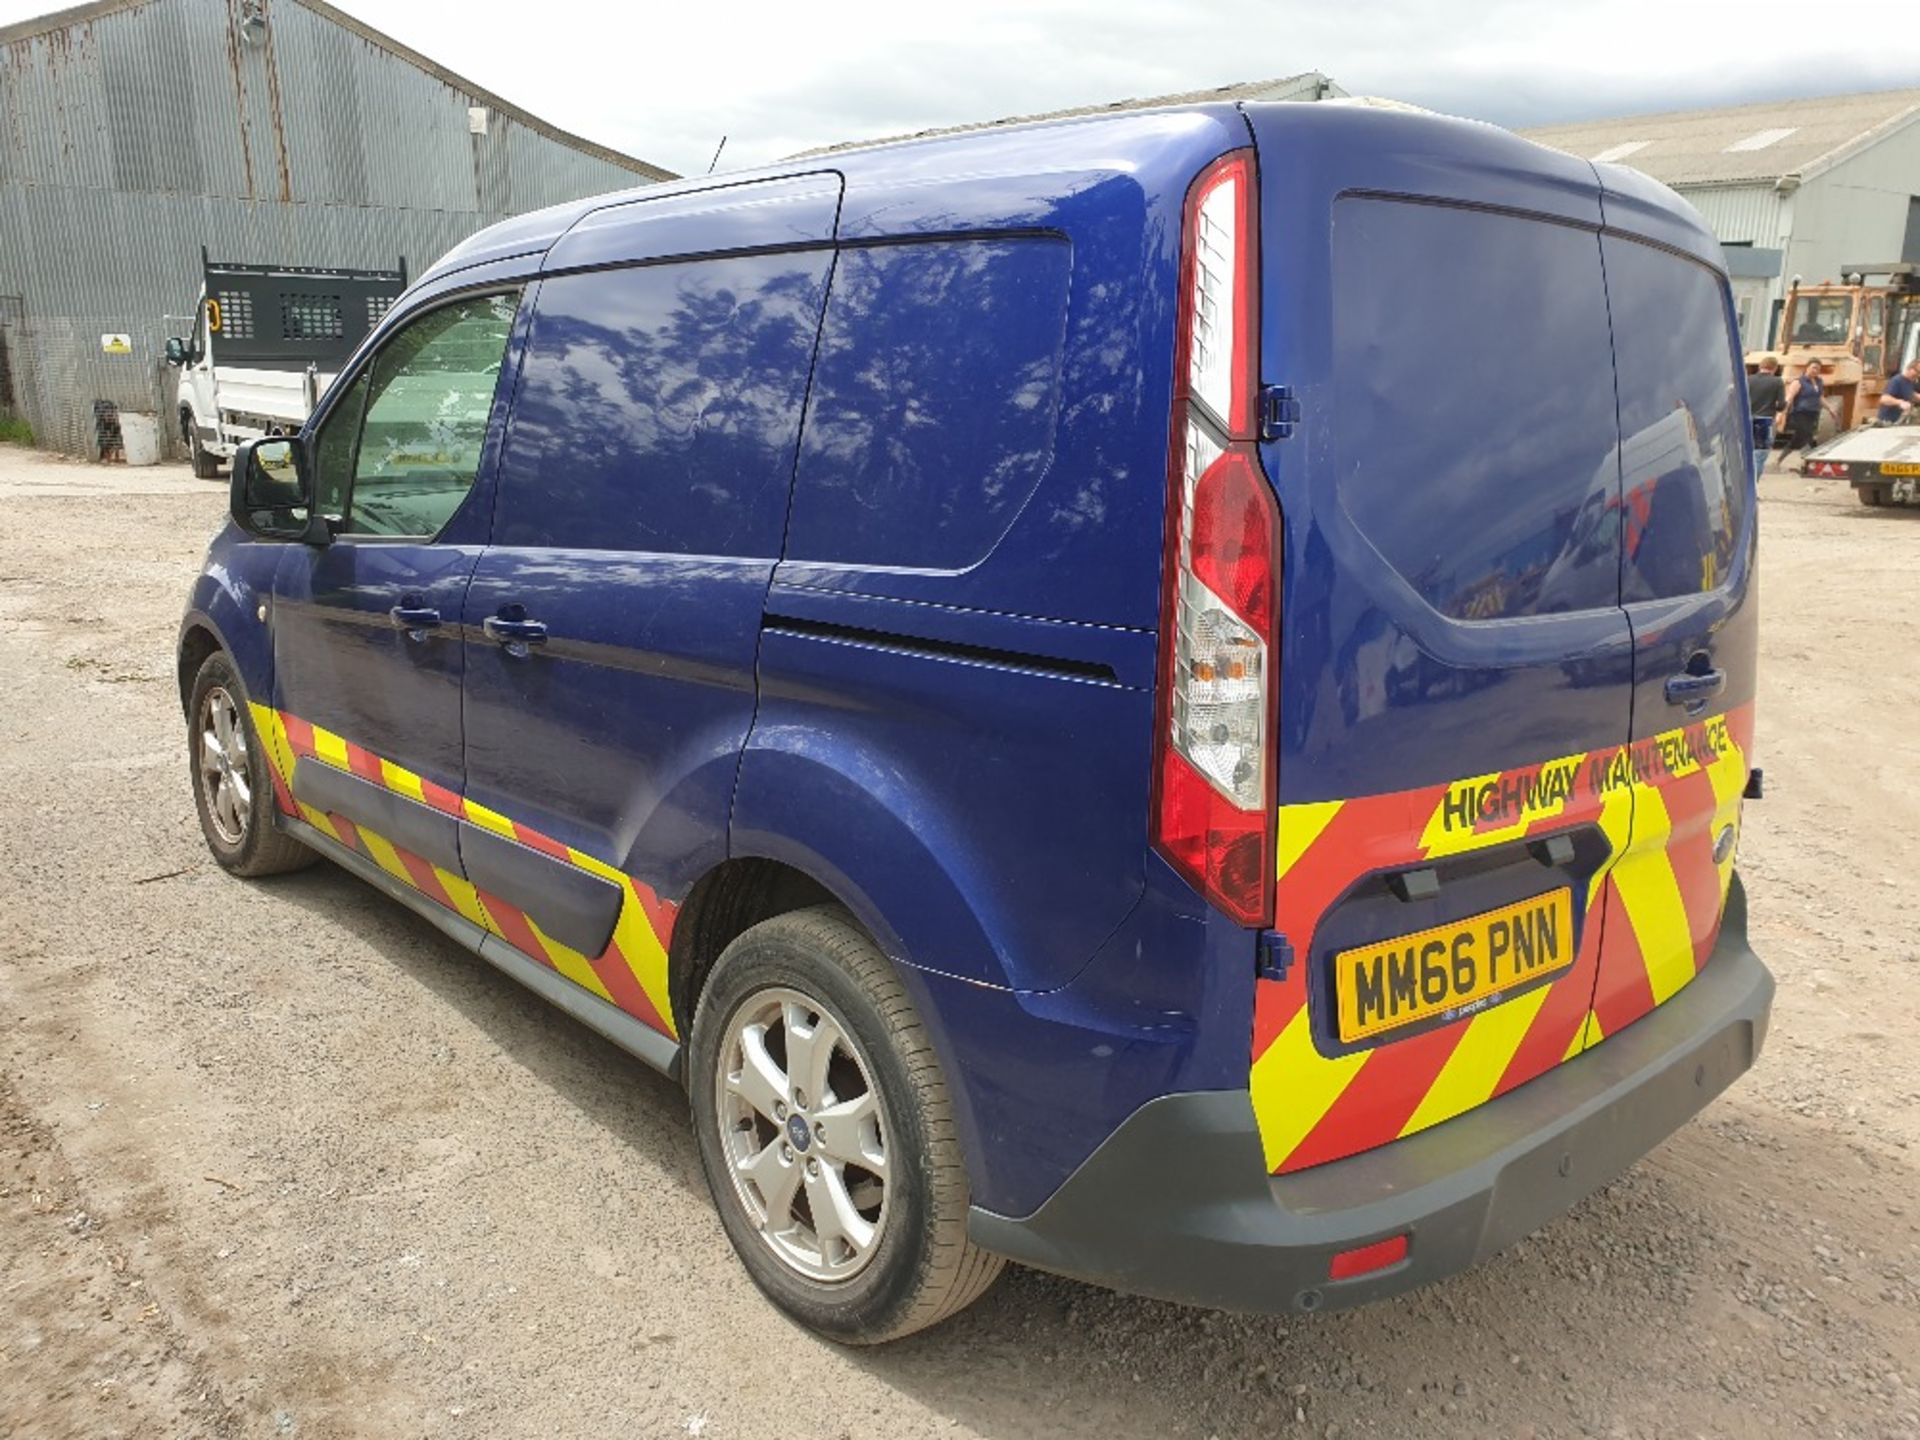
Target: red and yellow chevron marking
x=1666 y=885
x=631 y=973
x=1653 y=914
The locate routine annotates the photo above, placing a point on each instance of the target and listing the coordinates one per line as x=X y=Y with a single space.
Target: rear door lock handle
x=1693 y=691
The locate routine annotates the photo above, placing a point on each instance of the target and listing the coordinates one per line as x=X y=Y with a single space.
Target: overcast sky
x=665 y=82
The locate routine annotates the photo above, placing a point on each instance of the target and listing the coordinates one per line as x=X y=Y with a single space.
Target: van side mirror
x=176 y=350
x=271 y=490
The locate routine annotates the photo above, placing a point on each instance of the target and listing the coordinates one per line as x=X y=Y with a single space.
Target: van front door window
x=427 y=403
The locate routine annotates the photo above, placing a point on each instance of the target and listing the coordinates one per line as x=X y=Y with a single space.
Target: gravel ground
x=276 y=1159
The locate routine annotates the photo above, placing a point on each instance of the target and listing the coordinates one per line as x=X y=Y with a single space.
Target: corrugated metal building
x=133 y=132
x=1791 y=187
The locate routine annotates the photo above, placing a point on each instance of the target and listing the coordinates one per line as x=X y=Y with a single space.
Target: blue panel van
x=1165 y=696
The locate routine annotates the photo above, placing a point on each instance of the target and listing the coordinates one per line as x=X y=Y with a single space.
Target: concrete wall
x=134 y=133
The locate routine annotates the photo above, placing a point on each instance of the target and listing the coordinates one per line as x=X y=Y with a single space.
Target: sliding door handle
x=415 y=619
x=514 y=632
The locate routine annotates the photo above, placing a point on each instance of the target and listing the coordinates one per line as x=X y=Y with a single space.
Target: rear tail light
x=1213 y=763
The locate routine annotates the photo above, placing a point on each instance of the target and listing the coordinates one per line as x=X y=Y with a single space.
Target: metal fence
x=71 y=379
x=15 y=384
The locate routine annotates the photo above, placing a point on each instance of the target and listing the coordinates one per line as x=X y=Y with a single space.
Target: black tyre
x=206 y=465
x=232 y=786
x=1875 y=495
x=827 y=1133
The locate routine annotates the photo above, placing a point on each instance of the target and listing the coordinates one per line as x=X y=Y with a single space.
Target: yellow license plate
x=1391 y=983
x=1900 y=469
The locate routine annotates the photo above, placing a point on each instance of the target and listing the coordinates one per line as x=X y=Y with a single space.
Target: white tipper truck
x=267 y=341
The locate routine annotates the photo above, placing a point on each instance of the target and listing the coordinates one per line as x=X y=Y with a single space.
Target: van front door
x=197 y=385
x=367 y=649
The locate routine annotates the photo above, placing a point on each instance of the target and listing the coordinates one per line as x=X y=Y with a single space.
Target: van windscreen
x=1474 y=425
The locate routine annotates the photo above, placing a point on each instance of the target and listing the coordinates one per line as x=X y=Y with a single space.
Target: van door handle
x=514 y=631
x=1690 y=690
x=414 y=618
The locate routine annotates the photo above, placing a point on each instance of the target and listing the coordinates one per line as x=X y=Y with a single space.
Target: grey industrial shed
x=1792 y=187
x=133 y=132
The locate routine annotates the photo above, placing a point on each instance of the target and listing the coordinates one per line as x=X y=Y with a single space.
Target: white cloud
x=664 y=82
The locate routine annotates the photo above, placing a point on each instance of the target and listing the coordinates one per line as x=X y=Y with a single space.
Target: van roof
x=916 y=162
x=917 y=184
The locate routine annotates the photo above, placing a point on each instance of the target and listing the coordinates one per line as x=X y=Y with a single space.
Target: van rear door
x=1686 y=574
x=1455 y=664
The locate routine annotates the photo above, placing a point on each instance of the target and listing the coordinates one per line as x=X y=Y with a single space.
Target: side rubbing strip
x=426 y=832
x=571 y=905
x=621 y=1028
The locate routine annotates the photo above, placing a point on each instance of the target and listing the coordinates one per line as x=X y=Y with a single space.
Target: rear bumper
x=1177 y=1202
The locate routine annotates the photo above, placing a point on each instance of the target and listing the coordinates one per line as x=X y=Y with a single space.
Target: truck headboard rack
x=287 y=317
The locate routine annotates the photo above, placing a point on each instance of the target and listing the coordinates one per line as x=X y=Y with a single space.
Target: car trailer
x=1881 y=462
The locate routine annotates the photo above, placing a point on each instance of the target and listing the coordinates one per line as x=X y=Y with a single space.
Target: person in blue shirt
x=1902 y=392
x=1806 y=398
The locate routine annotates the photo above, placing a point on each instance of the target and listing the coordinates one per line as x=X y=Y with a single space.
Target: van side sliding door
x=613 y=625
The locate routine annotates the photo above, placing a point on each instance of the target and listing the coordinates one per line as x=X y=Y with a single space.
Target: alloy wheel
x=225 y=780
x=804 y=1134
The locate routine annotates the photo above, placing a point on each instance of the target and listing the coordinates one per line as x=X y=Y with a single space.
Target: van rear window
x=1474 y=427
x=1683 y=451
x=934 y=401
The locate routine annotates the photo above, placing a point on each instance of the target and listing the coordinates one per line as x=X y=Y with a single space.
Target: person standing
x=1806 y=397
x=1766 y=394
x=1902 y=392
x=1766 y=391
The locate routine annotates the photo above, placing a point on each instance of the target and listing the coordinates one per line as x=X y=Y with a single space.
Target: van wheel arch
x=725 y=903
x=195 y=646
